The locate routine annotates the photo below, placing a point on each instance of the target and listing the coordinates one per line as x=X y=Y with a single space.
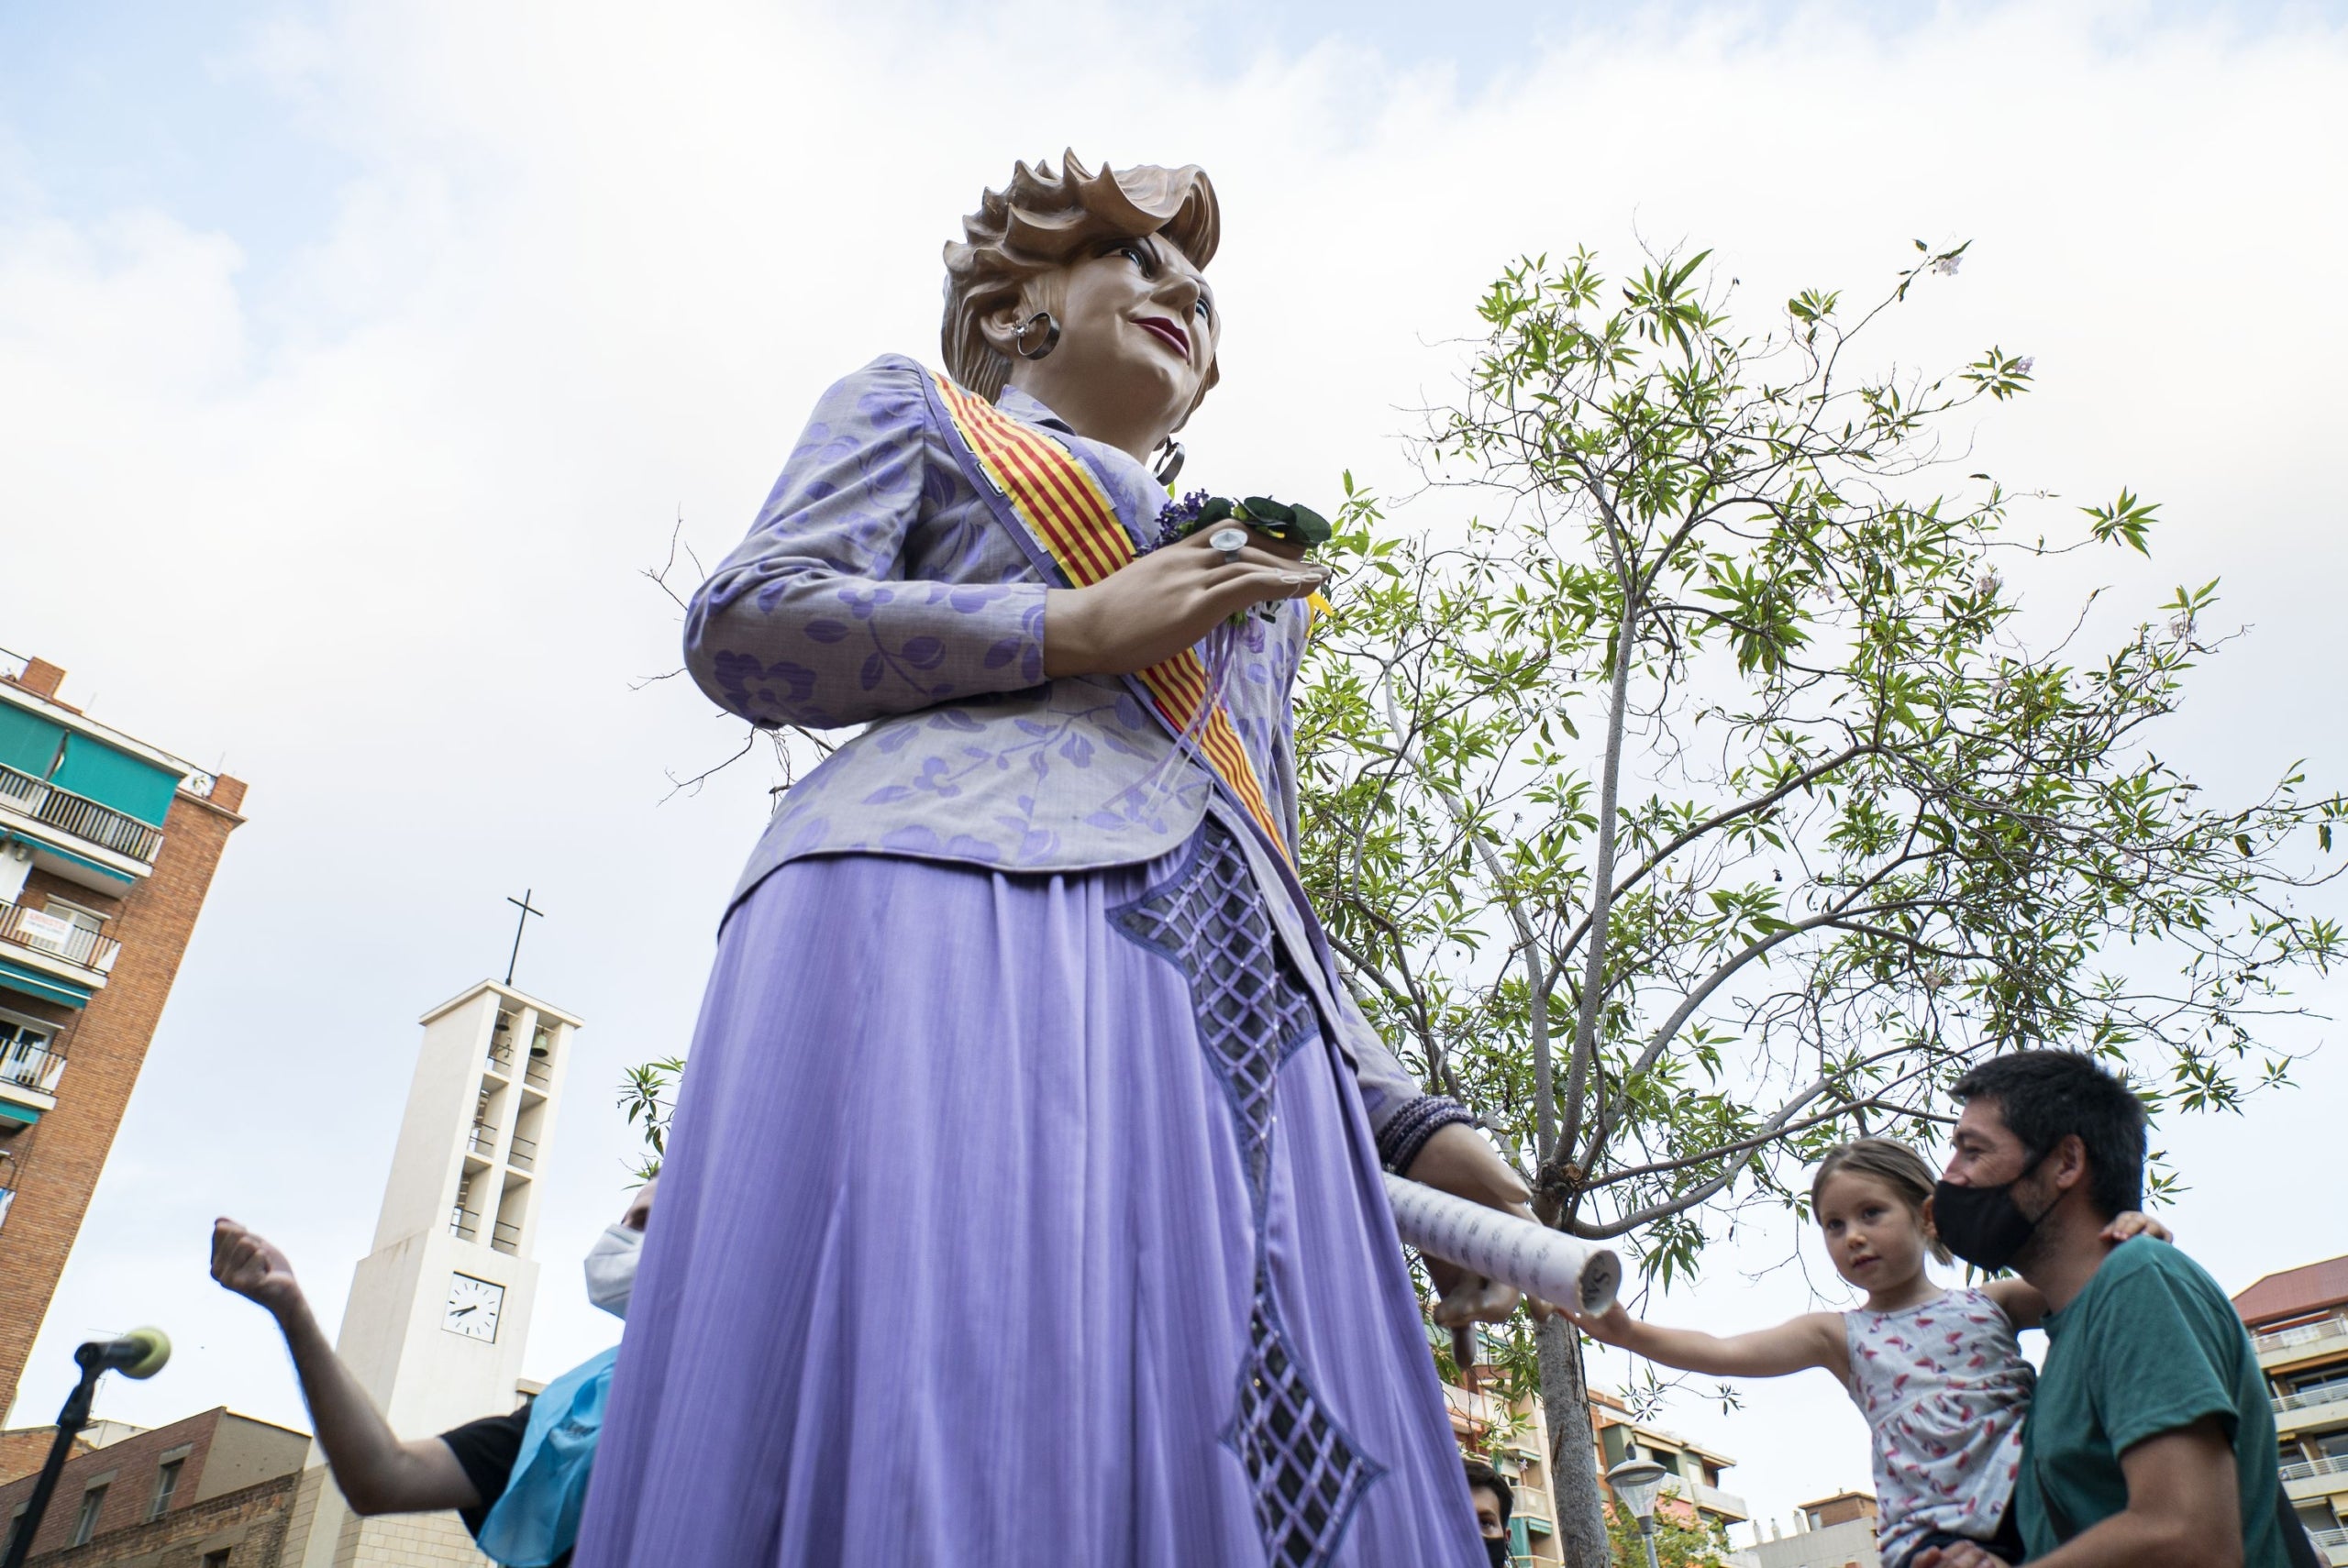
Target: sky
x=355 y=359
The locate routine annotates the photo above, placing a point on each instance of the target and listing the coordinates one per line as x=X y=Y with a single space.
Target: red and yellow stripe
x=1065 y=509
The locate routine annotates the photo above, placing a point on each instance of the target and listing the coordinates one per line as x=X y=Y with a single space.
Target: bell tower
x=439 y=1310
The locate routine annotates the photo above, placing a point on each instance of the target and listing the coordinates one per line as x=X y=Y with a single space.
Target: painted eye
x=1203 y=310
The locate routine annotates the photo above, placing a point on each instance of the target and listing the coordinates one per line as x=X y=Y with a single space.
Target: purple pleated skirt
x=1017 y=1219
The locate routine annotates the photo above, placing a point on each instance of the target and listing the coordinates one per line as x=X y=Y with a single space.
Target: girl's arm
x=1814 y=1339
x=2019 y=1300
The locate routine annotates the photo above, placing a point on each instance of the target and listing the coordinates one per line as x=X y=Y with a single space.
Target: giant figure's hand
x=252 y=1267
x=1153 y=607
x=1460 y=1160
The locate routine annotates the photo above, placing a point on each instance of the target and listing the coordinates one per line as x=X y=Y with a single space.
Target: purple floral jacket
x=877 y=588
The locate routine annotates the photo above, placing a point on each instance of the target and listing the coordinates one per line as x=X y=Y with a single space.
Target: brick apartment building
x=1514 y=1434
x=1833 y=1533
x=2299 y=1322
x=107 y=847
x=212 y=1491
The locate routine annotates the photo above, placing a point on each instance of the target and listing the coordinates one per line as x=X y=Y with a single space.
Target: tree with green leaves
x=1680 y=1541
x=648 y=1098
x=1703 y=802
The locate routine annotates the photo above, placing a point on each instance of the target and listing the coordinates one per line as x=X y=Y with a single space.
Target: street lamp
x=1635 y=1482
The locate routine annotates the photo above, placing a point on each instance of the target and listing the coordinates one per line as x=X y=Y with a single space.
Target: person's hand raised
x=251 y=1266
x=1155 y=607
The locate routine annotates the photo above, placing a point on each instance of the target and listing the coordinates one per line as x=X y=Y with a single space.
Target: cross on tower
x=520 y=923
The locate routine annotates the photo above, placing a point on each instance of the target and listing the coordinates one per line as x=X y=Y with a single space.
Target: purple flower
x=1174 y=516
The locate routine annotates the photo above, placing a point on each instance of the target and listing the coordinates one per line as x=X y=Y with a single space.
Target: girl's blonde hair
x=1892 y=1162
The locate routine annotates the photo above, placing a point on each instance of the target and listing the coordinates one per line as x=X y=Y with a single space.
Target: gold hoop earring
x=1051 y=336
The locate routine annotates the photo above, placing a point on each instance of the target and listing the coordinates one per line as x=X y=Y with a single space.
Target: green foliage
x=1702 y=803
x=648 y=1097
x=1290 y=524
x=1678 y=1543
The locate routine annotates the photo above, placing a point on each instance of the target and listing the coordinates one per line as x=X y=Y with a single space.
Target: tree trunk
x=1573 y=1460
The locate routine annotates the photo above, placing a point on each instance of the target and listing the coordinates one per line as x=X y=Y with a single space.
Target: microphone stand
x=71 y=1419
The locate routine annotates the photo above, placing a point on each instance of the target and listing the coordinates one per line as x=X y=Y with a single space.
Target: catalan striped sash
x=1064 y=510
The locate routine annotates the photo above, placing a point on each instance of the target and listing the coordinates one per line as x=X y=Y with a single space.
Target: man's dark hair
x=2047 y=1095
x=1483 y=1477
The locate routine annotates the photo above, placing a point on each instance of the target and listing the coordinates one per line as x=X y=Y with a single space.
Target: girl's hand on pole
x=1611 y=1326
x=1155 y=607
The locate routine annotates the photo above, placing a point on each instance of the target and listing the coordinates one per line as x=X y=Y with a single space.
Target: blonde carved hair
x=1045 y=221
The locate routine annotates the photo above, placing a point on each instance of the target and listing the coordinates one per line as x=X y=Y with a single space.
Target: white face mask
x=611 y=1268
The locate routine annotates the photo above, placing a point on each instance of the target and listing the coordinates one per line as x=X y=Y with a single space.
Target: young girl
x=1937 y=1373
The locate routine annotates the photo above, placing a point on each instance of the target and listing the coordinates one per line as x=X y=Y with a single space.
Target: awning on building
x=47 y=988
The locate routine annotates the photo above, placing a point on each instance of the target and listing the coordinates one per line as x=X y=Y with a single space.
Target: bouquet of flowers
x=1197 y=511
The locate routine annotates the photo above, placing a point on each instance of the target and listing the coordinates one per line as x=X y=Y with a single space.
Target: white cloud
x=372 y=526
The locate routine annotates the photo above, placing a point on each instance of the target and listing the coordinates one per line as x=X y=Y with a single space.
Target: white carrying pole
x=1534 y=1259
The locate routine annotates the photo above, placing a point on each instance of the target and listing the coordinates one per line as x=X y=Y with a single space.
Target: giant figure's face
x=1138 y=329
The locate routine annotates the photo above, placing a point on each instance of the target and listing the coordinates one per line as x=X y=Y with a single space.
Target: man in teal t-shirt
x=2151 y=1442
x=2150 y=1346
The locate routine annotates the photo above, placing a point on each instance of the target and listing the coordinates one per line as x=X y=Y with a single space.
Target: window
x=167 y=1481
x=216 y=1559
x=86 y=1524
x=75 y=914
x=24 y=1048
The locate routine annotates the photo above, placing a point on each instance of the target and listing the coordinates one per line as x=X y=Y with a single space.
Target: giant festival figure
x=1022 y=1203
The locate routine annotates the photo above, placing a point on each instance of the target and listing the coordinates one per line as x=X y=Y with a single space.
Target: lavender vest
x=877 y=587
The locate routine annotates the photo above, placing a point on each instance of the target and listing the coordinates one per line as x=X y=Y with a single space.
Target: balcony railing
x=538 y=1073
x=39 y=931
x=80 y=816
x=2301 y=1334
x=2329 y=1540
x=464 y=1223
x=2308 y=1469
x=483 y=1140
x=1708 y=1497
x=32 y=1067
x=2307 y=1399
x=524 y=1154
x=505 y=1236
x=2325 y=1394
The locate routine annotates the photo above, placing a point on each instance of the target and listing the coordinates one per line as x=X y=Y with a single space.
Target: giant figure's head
x=1115 y=259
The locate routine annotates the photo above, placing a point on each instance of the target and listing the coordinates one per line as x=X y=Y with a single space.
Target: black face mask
x=1984 y=1225
x=1496 y=1548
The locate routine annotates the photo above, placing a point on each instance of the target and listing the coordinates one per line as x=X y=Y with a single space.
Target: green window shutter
x=115 y=779
x=27 y=741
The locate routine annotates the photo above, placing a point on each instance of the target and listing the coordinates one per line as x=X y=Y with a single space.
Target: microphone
x=139 y=1353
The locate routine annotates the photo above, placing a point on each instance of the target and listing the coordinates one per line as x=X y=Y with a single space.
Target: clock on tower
x=474 y=1306
x=438 y=1314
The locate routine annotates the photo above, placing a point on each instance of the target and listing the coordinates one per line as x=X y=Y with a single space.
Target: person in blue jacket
x=517 y=1480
